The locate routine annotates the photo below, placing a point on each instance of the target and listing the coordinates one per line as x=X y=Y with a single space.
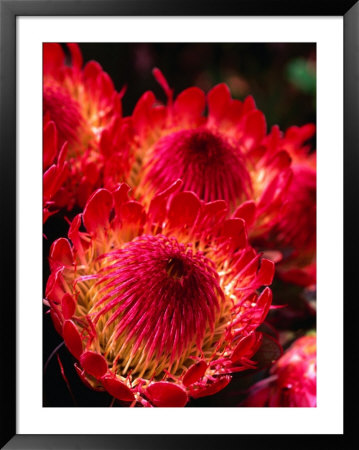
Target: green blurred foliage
x=301 y=74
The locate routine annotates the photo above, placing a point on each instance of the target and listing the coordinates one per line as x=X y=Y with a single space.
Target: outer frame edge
x=8 y=11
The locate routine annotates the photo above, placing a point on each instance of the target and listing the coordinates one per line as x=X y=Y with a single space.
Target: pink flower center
x=159 y=302
x=208 y=163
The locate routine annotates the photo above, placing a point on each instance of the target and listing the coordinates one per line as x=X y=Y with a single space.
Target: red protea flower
x=159 y=304
x=87 y=111
x=296 y=229
x=55 y=168
x=293 y=380
x=219 y=156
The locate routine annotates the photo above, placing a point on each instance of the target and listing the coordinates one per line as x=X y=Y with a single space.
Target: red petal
x=248 y=105
x=219 y=99
x=183 y=209
x=49 y=143
x=266 y=272
x=62 y=154
x=61 y=253
x=157 y=210
x=76 y=56
x=211 y=215
x=97 y=210
x=53 y=56
x=276 y=189
x=94 y=364
x=244 y=347
x=213 y=388
x=68 y=306
x=107 y=87
x=194 y=373
x=235 y=230
x=255 y=129
x=132 y=212
x=54 y=287
x=166 y=394
x=190 y=103
x=161 y=80
x=264 y=302
x=120 y=196
x=141 y=114
x=48 y=182
x=91 y=72
x=117 y=388
x=72 y=338
x=246 y=211
x=281 y=160
x=74 y=234
x=215 y=207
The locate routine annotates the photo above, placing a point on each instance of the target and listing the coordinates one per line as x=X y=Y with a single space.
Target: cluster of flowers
x=160 y=287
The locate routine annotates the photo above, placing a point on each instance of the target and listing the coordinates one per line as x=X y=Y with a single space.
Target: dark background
x=280 y=76
x=282 y=79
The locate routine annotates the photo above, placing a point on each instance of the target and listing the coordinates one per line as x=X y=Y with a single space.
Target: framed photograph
x=173 y=187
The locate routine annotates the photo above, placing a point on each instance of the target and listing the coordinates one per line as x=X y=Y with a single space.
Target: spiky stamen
x=208 y=163
x=157 y=304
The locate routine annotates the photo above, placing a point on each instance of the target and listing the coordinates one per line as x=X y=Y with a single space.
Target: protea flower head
x=87 y=111
x=161 y=303
x=224 y=155
x=293 y=379
x=55 y=168
x=296 y=229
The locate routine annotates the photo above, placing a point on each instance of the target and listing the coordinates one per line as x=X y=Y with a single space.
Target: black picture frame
x=9 y=10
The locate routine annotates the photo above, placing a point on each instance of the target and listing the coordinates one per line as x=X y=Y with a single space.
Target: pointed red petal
x=97 y=210
x=166 y=394
x=132 y=212
x=54 y=287
x=246 y=211
x=76 y=56
x=49 y=143
x=68 y=306
x=194 y=373
x=120 y=197
x=190 y=103
x=264 y=301
x=183 y=209
x=248 y=105
x=94 y=364
x=235 y=231
x=141 y=114
x=157 y=210
x=61 y=253
x=266 y=272
x=244 y=347
x=255 y=129
x=161 y=80
x=219 y=99
x=213 y=388
x=72 y=338
x=117 y=388
x=281 y=160
x=91 y=71
x=53 y=57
